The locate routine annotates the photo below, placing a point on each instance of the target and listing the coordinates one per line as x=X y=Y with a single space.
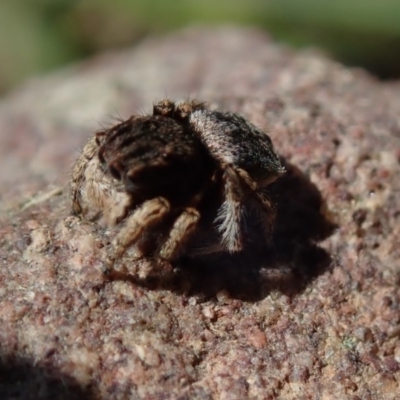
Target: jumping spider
x=164 y=174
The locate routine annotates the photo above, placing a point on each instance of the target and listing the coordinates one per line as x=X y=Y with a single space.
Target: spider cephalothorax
x=159 y=175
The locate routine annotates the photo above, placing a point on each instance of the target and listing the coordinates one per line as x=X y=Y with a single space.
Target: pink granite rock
x=315 y=316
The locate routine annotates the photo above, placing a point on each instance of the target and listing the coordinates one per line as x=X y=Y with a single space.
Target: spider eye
x=115 y=171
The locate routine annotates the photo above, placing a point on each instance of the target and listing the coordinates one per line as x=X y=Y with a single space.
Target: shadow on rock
x=20 y=379
x=287 y=263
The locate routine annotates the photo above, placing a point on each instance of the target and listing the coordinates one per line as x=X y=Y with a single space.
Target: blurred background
x=41 y=35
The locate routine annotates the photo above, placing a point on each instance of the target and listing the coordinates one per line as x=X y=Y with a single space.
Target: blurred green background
x=40 y=35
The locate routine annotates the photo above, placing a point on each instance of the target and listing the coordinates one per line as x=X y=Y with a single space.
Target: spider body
x=160 y=176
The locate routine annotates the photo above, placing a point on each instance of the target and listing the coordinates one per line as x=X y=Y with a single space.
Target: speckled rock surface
x=317 y=318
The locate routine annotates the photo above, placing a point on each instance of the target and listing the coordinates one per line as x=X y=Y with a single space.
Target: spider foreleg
x=144 y=217
x=181 y=231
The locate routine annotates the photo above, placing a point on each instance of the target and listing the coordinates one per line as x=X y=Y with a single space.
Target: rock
x=318 y=316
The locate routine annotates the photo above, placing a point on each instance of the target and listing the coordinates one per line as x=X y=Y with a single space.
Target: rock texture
x=316 y=317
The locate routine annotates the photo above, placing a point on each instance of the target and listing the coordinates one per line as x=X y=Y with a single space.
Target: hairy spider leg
x=237 y=187
x=264 y=207
x=182 y=229
x=230 y=213
x=143 y=218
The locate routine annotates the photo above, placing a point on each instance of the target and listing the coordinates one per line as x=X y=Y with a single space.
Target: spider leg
x=78 y=178
x=238 y=186
x=268 y=212
x=264 y=207
x=182 y=229
x=230 y=213
x=145 y=216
